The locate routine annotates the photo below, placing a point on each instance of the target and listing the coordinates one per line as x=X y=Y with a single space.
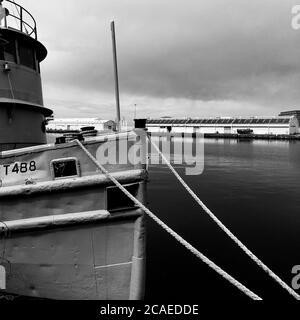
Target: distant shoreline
x=230 y=136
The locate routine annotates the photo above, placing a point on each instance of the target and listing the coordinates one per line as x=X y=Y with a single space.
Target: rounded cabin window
x=20 y=52
x=27 y=55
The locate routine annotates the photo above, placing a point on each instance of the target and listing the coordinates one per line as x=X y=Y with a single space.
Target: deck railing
x=19 y=18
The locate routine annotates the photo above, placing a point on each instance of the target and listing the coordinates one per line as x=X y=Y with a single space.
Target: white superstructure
x=78 y=123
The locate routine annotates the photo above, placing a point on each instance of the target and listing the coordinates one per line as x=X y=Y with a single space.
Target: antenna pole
x=113 y=34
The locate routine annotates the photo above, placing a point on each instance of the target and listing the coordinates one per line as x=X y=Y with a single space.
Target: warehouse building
x=78 y=123
x=256 y=125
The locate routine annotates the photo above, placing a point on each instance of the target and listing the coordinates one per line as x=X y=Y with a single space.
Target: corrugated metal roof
x=220 y=121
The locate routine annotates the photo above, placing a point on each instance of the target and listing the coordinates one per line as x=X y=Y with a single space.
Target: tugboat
x=66 y=231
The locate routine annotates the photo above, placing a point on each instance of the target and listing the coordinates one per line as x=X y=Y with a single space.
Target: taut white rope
x=224 y=228
x=187 y=245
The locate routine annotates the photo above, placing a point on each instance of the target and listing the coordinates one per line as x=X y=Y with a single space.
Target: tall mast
x=116 y=75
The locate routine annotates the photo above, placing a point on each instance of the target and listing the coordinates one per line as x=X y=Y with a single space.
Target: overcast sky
x=176 y=58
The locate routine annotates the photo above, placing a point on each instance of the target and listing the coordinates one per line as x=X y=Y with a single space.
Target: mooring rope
x=224 y=228
x=186 y=244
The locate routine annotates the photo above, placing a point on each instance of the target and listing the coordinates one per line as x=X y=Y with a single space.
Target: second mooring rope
x=187 y=245
x=224 y=228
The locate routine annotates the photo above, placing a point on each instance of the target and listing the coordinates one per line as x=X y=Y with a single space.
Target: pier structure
x=281 y=125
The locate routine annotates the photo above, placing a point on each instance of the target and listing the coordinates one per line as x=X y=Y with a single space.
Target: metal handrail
x=22 y=24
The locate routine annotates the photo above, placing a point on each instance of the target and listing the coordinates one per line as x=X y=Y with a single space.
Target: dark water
x=254 y=189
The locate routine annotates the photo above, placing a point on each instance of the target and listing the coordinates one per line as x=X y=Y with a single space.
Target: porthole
x=65 y=168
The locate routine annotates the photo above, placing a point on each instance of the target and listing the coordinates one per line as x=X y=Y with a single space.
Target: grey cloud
x=198 y=50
